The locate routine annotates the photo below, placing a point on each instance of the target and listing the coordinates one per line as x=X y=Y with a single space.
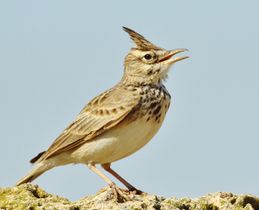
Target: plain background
x=57 y=55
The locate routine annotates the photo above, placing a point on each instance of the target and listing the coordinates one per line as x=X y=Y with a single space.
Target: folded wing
x=102 y=113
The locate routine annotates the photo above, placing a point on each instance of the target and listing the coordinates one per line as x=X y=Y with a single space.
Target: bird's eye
x=147 y=56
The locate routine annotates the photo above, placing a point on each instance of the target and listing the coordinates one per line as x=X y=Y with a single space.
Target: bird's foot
x=121 y=195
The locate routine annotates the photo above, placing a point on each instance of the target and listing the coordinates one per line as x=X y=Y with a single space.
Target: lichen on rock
x=29 y=196
x=32 y=197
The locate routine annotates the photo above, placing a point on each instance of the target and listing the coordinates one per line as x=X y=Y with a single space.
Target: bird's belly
x=118 y=142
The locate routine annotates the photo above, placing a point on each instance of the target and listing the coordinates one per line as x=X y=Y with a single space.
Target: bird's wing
x=102 y=113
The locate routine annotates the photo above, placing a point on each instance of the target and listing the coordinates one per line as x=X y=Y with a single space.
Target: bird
x=119 y=121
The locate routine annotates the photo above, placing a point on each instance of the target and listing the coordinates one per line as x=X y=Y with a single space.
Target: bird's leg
x=116 y=190
x=107 y=167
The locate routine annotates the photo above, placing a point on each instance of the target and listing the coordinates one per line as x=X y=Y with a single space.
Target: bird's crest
x=140 y=41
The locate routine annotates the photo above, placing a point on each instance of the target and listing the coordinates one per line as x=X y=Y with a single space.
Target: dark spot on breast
x=155 y=112
x=101 y=112
x=158 y=117
x=153 y=105
x=107 y=111
x=146 y=100
x=148 y=119
x=122 y=108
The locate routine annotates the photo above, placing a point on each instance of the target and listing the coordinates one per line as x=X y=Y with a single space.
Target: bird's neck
x=140 y=81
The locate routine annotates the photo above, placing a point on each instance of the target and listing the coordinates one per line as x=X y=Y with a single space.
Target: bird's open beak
x=169 y=59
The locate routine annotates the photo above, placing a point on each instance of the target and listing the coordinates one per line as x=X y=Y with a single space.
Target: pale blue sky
x=56 y=55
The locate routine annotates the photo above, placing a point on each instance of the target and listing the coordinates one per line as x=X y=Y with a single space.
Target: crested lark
x=119 y=121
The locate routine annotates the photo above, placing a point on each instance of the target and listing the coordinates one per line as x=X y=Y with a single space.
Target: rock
x=29 y=196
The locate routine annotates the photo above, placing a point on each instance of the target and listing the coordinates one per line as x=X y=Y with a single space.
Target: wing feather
x=102 y=113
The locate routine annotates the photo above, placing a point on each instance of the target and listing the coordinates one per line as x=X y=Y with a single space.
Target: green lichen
x=31 y=197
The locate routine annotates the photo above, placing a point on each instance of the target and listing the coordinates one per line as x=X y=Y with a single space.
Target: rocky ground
x=29 y=196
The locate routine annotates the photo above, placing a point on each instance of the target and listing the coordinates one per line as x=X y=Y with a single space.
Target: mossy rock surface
x=31 y=197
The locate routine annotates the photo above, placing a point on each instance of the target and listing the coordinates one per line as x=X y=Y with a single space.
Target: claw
x=120 y=194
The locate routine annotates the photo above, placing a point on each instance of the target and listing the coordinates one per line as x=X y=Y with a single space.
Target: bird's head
x=147 y=63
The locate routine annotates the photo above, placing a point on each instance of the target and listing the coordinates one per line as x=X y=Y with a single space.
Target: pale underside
x=115 y=144
x=104 y=131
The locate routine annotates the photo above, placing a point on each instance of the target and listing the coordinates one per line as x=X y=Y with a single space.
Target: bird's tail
x=39 y=169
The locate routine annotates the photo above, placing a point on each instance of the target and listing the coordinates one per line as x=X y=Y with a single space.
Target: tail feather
x=39 y=169
x=37 y=157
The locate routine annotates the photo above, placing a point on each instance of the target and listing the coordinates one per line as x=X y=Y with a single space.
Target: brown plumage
x=119 y=121
x=93 y=120
x=140 y=41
